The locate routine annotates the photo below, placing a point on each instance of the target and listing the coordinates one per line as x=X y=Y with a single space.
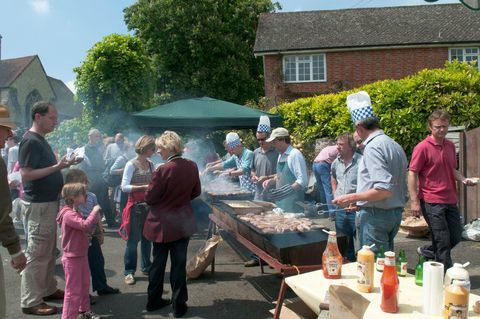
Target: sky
x=61 y=32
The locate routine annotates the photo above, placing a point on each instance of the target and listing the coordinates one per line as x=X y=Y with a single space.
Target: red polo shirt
x=435 y=165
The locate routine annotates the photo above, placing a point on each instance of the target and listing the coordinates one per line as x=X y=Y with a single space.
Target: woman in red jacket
x=170 y=222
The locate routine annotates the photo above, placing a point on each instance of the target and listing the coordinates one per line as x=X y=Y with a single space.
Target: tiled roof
x=10 y=69
x=369 y=27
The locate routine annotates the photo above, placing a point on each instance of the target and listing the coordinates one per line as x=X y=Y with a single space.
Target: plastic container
x=365 y=265
x=456 y=300
x=457 y=272
x=331 y=258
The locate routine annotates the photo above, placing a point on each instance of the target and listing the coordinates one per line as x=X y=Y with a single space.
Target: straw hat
x=5 y=119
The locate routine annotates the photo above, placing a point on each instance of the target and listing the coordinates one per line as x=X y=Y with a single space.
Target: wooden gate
x=470 y=196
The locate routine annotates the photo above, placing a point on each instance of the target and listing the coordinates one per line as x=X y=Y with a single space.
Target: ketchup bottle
x=331 y=258
x=389 y=284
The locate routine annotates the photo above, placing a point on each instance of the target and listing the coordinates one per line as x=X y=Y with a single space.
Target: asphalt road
x=233 y=292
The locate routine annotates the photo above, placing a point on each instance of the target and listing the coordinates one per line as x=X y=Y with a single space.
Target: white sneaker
x=129 y=279
x=88 y=315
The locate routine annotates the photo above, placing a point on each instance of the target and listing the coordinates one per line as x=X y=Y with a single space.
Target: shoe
x=40 y=310
x=88 y=315
x=420 y=253
x=152 y=306
x=92 y=300
x=252 y=263
x=57 y=295
x=129 y=279
x=180 y=310
x=108 y=291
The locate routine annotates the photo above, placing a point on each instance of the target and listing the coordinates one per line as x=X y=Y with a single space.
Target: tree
x=115 y=76
x=202 y=47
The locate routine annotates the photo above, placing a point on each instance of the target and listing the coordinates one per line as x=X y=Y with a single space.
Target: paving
x=232 y=292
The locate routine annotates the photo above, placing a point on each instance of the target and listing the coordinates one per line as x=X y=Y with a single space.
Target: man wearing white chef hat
x=381 y=182
x=239 y=164
x=436 y=197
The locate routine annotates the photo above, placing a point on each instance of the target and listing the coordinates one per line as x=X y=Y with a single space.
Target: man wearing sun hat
x=238 y=165
x=291 y=179
x=8 y=236
x=381 y=182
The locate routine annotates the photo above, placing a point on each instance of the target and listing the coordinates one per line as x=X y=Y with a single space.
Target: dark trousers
x=100 y=189
x=97 y=265
x=178 y=272
x=444 y=224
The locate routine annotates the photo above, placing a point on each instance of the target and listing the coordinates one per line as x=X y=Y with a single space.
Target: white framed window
x=464 y=54
x=304 y=68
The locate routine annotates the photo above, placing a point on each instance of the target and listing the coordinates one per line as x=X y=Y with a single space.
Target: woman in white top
x=136 y=177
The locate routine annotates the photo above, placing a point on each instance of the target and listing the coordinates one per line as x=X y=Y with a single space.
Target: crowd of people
x=364 y=181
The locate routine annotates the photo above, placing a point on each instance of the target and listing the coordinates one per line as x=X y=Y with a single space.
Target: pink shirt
x=75 y=240
x=435 y=165
x=327 y=154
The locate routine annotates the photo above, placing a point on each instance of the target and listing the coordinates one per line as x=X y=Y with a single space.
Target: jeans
x=345 y=224
x=136 y=235
x=96 y=262
x=378 y=226
x=323 y=177
x=444 y=224
x=178 y=272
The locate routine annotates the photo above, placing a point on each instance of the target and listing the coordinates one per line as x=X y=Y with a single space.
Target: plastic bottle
x=401 y=264
x=365 y=261
x=380 y=259
x=456 y=300
x=419 y=271
x=389 y=284
x=331 y=258
x=457 y=272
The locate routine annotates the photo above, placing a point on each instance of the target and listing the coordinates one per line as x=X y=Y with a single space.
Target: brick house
x=315 y=52
x=23 y=81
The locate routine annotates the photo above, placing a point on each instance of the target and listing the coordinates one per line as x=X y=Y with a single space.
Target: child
x=75 y=243
x=96 y=260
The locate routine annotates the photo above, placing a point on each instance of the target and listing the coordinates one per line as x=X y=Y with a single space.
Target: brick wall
x=347 y=70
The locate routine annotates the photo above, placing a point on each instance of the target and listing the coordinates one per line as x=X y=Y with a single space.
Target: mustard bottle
x=456 y=300
x=365 y=266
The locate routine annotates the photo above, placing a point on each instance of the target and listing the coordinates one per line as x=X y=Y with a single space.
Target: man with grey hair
x=381 y=182
x=114 y=150
x=94 y=166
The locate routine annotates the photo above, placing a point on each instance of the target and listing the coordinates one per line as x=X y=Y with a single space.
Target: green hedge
x=402 y=105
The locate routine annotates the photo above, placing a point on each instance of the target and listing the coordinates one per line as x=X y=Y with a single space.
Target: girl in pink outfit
x=75 y=241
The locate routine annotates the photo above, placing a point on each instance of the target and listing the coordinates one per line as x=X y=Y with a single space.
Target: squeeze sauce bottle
x=365 y=264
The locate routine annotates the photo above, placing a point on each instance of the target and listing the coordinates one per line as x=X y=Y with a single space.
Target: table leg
x=281 y=297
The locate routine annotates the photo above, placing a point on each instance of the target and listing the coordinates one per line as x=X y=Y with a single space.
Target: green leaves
x=403 y=106
x=116 y=75
x=202 y=47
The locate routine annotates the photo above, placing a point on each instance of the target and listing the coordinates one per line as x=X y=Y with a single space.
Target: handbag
x=141 y=209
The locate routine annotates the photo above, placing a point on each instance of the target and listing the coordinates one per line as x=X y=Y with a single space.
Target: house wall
x=347 y=70
x=32 y=78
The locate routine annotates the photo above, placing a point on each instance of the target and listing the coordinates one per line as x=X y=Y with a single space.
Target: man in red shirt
x=433 y=169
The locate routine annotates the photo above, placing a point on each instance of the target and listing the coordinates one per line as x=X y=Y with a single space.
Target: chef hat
x=264 y=124
x=359 y=106
x=233 y=140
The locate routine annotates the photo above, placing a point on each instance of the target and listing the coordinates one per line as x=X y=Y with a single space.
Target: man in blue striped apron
x=291 y=178
x=238 y=165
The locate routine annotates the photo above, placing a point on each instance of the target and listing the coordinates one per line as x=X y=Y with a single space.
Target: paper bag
x=346 y=303
x=204 y=256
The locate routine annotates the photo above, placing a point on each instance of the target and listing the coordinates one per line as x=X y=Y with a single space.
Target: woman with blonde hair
x=136 y=176
x=170 y=222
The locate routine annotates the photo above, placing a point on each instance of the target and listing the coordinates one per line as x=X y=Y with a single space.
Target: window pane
x=290 y=73
x=304 y=68
x=318 y=68
x=456 y=54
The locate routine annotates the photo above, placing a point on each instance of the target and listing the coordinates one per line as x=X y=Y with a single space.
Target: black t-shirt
x=34 y=152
